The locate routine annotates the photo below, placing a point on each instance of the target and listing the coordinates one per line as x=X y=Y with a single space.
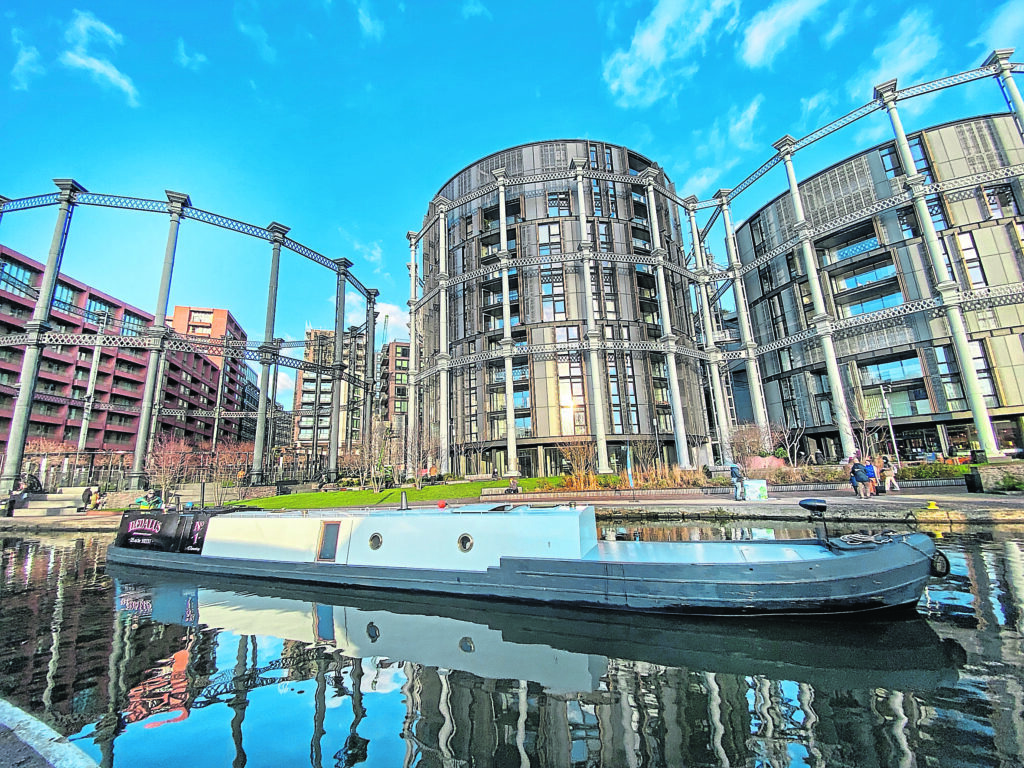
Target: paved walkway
x=949 y=505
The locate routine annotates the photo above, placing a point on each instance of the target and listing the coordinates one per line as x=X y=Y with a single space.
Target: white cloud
x=472 y=8
x=722 y=147
x=26 y=62
x=398 y=322
x=771 y=29
x=1004 y=26
x=188 y=60
x=813 y=107
x=86 y=31
x=907 y=54
x=371 y=26
x=285 y=388
x=664 y=47
x=259 y=36
x=836 y=30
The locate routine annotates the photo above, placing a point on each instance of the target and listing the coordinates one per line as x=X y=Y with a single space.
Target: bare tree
x=423 y=455
x=746 y=439
x=580 y=452
x=790 y=438
x=865 y=419
x=169 y=460
x=645 y=454
x=228 y=468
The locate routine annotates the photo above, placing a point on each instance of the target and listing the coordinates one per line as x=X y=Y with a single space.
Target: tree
x=228 y=468
x=581 y=454
x=791 y=438
x=645 y=454
x=423 y=454
x=864 y=417
x=169 y=459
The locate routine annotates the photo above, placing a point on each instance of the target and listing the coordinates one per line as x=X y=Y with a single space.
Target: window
x=131 y=325
x=908 y=223
x=567 y=333
x=571 y=400
x=595 y=193
x=937 y=212
x=972 y=262
x=890 y=161
x=200 y=316
x=872 y=305
x=865 y=276
x=604 y=237
x=65 y=297
x=16 y=279
x=96 y=307
x=549 y=239
x=613 y=210
x=952 y=387
x=1001 y=201
x=593 y=156
x=328 y=541
x=892 y=370
x=558 y=204
x=552 y=290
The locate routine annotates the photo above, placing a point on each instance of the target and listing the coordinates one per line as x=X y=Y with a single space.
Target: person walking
x=872 y=473
x=889 y=475
x=860 y=480
x=736 y=474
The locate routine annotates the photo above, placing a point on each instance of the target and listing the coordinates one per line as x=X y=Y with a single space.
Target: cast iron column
x=743 y=316
x=714 y=357
x=945 y=286
x=371 y=373
x=90 y=392
x=595 y=377
x=412 y=417
x=157 y=333
x=822 y=321
x=35 y=328
x=268 y=351
x=668 y=338
x=507 y=345
x=339 y=350
x=1001 y=60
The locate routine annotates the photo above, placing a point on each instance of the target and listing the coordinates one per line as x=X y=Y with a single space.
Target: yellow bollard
x=932 y=505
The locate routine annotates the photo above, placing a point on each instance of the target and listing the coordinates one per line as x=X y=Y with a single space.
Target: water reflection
x=210 y=672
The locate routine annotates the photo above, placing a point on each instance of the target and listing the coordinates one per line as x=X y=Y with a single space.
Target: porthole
x=376 y=540
x=466 y=645
x=465 y=542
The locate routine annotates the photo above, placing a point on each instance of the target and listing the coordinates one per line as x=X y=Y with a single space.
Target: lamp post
x=883 y=388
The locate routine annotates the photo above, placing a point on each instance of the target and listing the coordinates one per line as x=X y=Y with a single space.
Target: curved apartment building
x=903 y=238
x=551 y=303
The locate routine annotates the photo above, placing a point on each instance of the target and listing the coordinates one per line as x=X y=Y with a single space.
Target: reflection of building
x=67 y=375
x=313 y=389
x=878 y=262
x=554 y=307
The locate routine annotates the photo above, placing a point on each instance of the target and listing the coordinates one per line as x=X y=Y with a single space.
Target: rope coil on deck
x=853 y=539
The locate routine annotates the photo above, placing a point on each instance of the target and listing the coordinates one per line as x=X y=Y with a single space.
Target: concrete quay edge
x=951 y=506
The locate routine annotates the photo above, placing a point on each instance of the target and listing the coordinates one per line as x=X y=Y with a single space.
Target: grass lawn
x=391 y=496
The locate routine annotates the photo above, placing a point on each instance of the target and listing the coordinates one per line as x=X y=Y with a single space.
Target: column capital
x=999 y=58
x=412 y=237
x=371 y=296
x=68 y=189
x=649 y=176
x=343 y=266
x=278 y=231
x=442 y=280
x=499 y=176
x=822 y=325
x=784 y=146
x=886 y=92
x=660 y=256
x=178 y=200
x=722 y=196
x=803 y=229
x=4 y=199
x=578 y=165
x=949 y=292
x=669 y=338
x=690 y=204
x=913 y=183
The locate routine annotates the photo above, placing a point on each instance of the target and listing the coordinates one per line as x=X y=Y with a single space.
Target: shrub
x=932 y=471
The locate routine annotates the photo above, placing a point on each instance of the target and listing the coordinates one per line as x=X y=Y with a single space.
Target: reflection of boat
x=550 y=555
x=563 y=649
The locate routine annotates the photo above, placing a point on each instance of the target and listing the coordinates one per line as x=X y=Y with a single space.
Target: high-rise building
x=213 y=323
x=392 y=405
x=314 y=390
x=103 y=399
x=552 y=297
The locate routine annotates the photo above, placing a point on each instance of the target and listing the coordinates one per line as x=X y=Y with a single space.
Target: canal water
x=140 y=670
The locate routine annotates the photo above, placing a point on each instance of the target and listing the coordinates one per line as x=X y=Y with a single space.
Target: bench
x=502 y=490
x=484 y=477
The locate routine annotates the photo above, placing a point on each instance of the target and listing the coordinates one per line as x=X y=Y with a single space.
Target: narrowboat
x=534 y=554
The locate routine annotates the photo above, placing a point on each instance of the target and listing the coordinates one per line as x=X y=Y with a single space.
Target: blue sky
x=343 y=119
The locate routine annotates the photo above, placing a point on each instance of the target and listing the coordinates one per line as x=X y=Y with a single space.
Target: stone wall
x=989 y=475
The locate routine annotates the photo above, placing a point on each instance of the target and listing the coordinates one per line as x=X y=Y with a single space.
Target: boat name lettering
x=149 y=524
